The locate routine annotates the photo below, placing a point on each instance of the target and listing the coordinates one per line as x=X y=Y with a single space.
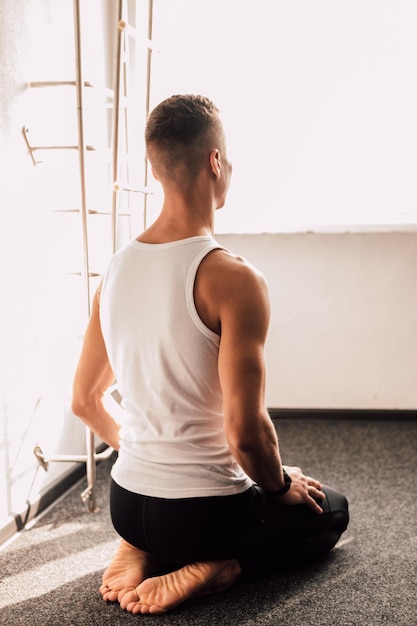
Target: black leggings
x=252 y=527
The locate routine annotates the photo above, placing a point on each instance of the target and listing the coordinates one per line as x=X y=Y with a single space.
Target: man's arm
x=232 y=290
x=244 y=318
x=92 y=378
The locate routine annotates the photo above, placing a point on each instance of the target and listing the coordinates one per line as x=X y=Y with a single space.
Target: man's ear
x=154 y=174
x=215 y=162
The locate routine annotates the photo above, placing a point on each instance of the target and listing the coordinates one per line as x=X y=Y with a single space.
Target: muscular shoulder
x=227 y=266
x=231 y=272
x=229 y=286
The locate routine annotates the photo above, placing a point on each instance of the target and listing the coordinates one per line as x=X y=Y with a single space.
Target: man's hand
x=303 y=490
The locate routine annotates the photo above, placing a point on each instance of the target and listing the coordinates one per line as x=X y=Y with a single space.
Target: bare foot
x=162 y=593
x=128 y=568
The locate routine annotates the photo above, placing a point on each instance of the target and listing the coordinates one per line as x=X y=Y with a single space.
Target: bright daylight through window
x=319 y=101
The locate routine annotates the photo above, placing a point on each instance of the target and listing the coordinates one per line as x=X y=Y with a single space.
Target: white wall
x=343 y=331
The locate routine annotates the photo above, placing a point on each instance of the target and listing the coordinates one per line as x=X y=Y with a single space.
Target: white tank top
x=172 y=443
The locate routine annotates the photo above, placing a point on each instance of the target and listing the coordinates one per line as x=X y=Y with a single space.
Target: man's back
x=165 y=360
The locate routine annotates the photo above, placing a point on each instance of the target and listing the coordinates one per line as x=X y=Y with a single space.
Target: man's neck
x=177 y=222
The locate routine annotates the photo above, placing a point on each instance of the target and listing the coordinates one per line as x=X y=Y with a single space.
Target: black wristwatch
x=285 y=488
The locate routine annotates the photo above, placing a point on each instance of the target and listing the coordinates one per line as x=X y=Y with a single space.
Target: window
x=319 y=101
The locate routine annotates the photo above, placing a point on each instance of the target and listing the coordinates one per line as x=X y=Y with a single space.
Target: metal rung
x=68 y=458
x=120 y=187
x=33 y=149
x=56 y=83
x=90 y=274
x=90 y=212
x=33 y=84
x=90 y=148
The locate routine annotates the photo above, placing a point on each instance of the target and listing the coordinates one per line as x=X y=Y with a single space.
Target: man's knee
x=336 y=505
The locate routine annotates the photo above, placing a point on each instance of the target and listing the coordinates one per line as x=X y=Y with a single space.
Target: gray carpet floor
x=51 y=573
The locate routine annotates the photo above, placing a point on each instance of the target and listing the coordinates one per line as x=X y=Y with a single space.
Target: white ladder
x=120 y=173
